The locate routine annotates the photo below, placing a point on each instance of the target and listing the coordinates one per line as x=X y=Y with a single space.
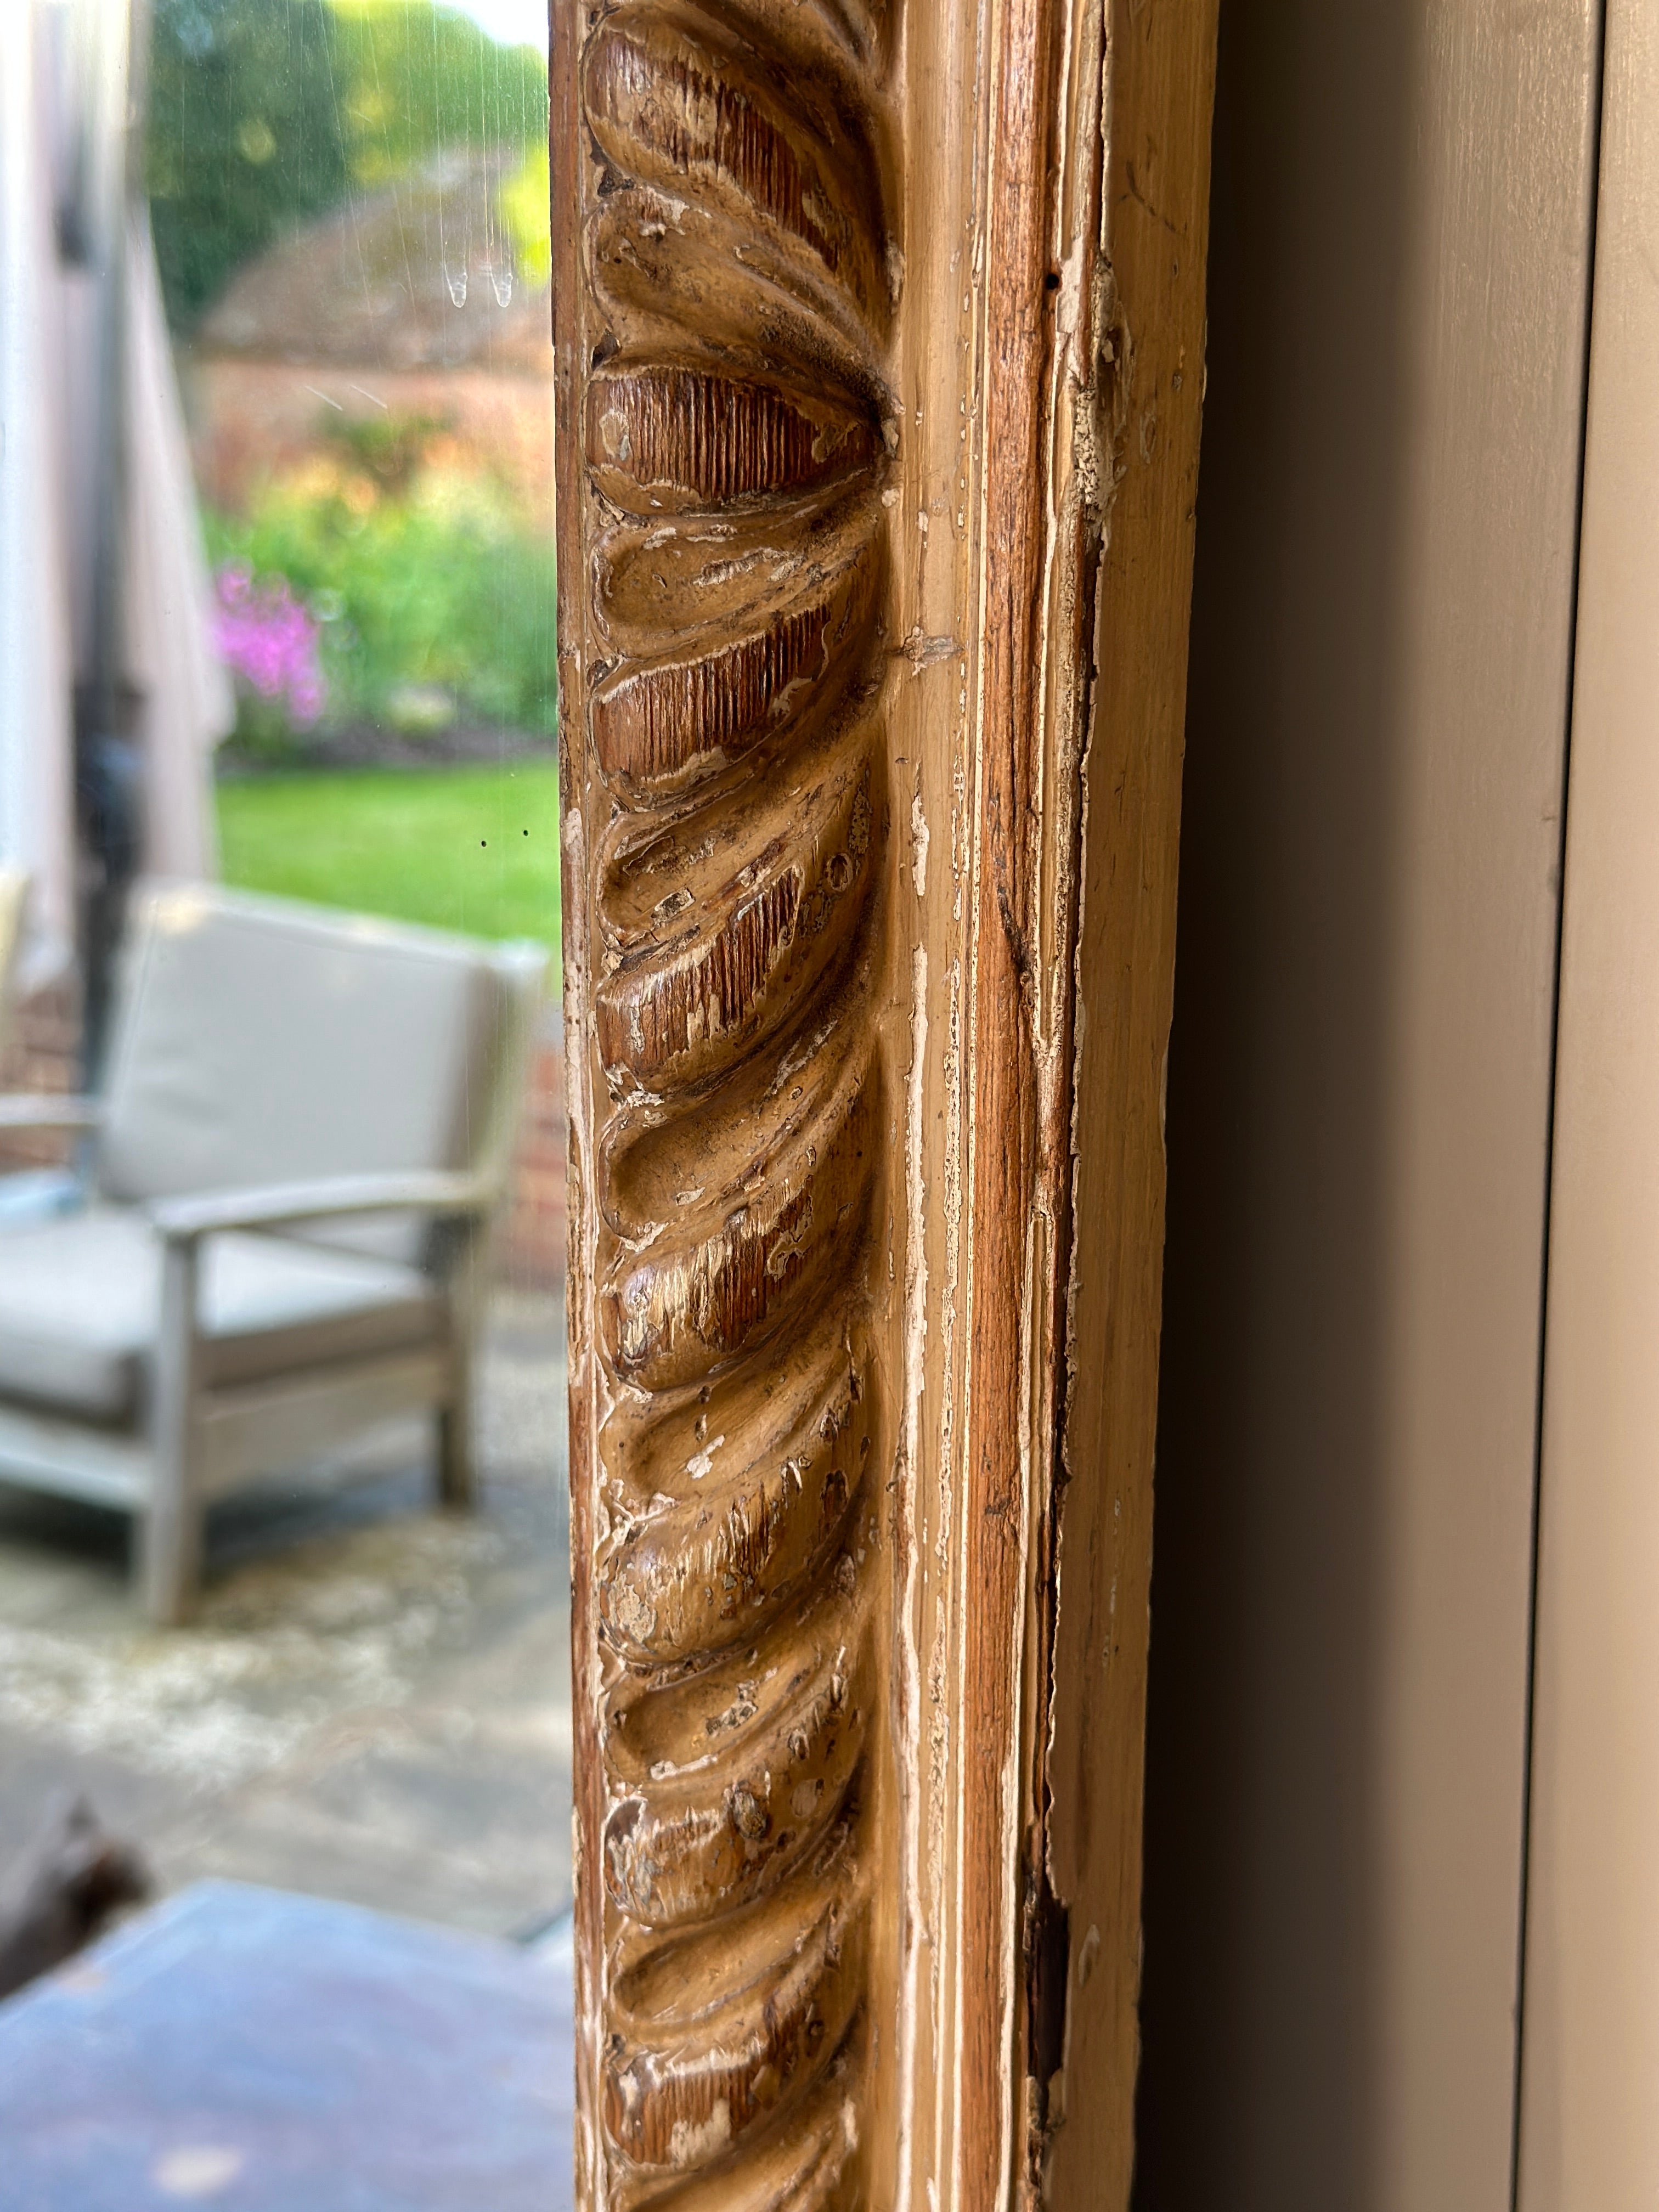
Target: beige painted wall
x=1358 y=1106
x=1591 y=2083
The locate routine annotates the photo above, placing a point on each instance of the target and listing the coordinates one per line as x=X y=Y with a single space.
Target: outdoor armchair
x=306 y=1129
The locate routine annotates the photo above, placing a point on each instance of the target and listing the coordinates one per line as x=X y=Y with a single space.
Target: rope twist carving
x=736 y=437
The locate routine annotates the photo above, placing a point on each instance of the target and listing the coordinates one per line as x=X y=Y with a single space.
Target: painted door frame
x=1360 y=1102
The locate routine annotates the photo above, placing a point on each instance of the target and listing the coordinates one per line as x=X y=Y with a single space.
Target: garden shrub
x=421 y=573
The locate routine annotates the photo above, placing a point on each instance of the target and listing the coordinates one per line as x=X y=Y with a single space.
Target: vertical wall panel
x=1590 y=2035
x=1360 y=1102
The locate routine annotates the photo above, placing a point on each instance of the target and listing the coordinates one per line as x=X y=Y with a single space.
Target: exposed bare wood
x=842 y=406
x=1086 y=1963
x=735 y=295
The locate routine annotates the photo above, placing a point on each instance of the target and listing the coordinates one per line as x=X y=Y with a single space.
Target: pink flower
x=268 y=639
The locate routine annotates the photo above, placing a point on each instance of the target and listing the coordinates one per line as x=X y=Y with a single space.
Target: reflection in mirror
x=283 y=1530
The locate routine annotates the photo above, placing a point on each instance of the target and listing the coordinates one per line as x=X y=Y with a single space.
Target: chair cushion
x=80 y=1299
x=264 y=1043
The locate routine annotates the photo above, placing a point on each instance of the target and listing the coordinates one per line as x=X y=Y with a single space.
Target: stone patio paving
x=373 y=1703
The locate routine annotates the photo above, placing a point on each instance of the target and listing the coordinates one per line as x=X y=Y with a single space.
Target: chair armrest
x=277 y=1205
x=49 y=1110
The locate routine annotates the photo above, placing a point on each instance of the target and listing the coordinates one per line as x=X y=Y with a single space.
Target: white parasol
x=53 y=505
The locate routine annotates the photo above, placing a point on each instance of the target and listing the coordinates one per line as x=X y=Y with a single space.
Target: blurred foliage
x=416 y=80
x=523 y=205
x=391 y=448
x=245 y=136
x=428 y=581
x=263 y=114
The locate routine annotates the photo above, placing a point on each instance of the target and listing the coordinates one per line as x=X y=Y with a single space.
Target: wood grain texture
x=1016 y=1168
x=1155 y=219
x=843 y=412
x=726 y=824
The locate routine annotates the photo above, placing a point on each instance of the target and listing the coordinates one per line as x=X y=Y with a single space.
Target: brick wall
x=531 y=1251
x=254 y=420
x=44 y=1055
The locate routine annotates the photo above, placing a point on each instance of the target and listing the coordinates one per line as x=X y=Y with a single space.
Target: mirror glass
x=284 y=1527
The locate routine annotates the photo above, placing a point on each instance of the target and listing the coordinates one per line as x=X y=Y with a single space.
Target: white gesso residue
x=915 y=1339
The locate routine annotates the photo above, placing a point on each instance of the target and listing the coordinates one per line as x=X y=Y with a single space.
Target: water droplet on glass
x=456 y=287
x=503 y=280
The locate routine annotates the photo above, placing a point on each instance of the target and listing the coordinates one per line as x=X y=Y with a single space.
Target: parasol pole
x=108 y=787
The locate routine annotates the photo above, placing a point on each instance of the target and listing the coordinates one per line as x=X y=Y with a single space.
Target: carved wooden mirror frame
x=879 y=329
